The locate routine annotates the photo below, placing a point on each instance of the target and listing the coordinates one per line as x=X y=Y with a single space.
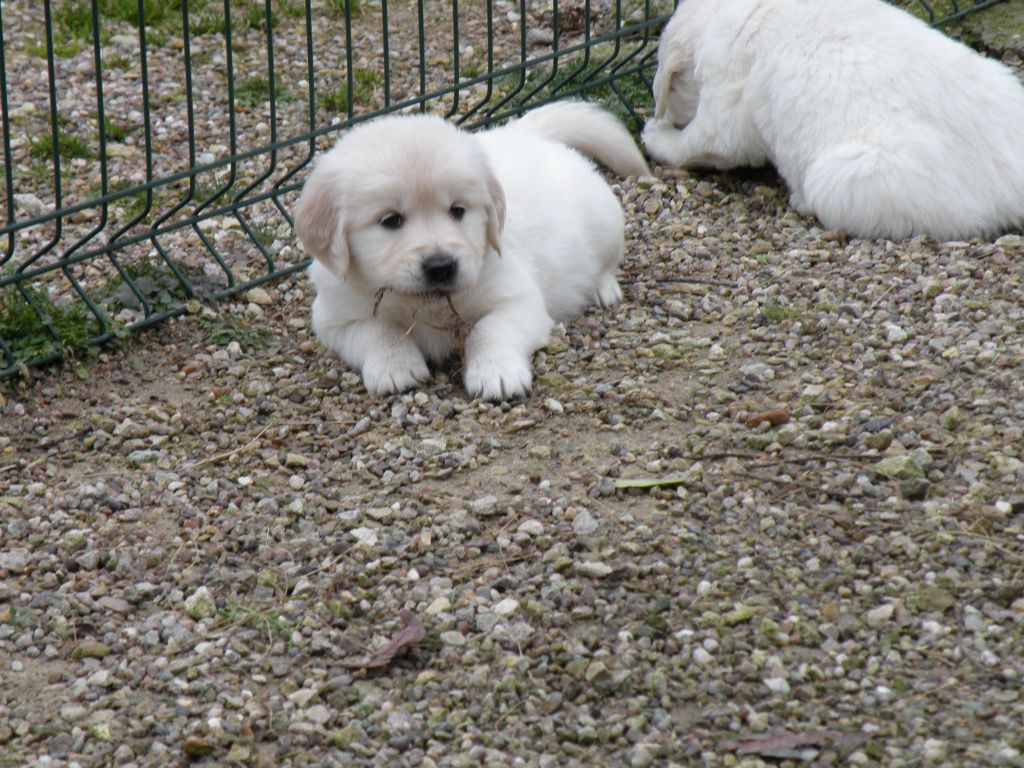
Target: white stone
x=200 y=605
x=594 y=568
x=440 y=605
x=302 y=697
x=14 y=560
x=258 y=296
x=318 y=714
x=101 y=678
x=777 y=685
x=303 y=587
x=531 y=527
x=876 y=617
x=365 y=536
x=895 y=334
x=553 y=405
x=934 y=750
x=507 y=607
x=585 y=523
x=702 y=657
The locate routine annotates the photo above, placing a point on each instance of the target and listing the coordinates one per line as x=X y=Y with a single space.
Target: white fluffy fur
x=881 y=126
x=540 y=239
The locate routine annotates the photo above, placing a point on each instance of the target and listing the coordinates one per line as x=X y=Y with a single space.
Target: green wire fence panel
x=153 y=149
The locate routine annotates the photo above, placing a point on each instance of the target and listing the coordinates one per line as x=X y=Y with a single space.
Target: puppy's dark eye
x=457 y=212
x=392 y=221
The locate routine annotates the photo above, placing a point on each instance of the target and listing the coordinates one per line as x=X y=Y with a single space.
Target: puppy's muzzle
x=440 y=270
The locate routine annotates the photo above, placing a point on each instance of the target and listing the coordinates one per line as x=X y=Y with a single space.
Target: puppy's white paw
x=395 y=370
x=608 y=291
x=660 y=138
x=498 y=377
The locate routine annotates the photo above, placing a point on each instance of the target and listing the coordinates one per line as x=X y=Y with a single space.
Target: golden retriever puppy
x=880 y=126
x=429 y=240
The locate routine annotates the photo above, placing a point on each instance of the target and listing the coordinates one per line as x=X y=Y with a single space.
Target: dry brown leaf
x=789 y=745
x=408 y=636
x=774 y=417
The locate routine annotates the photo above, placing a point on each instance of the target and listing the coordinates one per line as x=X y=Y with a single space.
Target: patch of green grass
x=354 y=8
x=118 y=61
x=36 y=326
x=114 y=131
x=62 y=48
x=69 y=146
x=157 y=38
x=254 y=16
x=264 y=230
x=431 y=642
x=773 y=312
x=74 y=17
x=154 y=280
x=35 y=173
x=335 y=100
x=223 y=329
x=293 y=9
x=17 y=617
x=364 y=83
x=268 y=620
x=256 y=91
x=470 y=68
x=132 y=205
x=205 y=21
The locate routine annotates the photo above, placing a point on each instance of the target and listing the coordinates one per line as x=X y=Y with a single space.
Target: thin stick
x=378 y=299
x=28 y=466
x=695 y=281
x=795 y=484
x=228 y=454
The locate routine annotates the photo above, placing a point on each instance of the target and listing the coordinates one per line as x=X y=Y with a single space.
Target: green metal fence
x=153 y=149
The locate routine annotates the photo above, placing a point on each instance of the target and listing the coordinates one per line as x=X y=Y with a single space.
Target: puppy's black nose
x=440 y=269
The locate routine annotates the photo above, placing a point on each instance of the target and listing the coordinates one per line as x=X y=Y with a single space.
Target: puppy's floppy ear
x=495 y=212
x=318 y=222
x=675 y=72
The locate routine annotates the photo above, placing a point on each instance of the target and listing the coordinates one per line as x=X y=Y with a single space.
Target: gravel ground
x=209 y=545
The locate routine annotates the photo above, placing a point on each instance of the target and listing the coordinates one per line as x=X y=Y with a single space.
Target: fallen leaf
x=408 y=636
x=116 y=604
x=793 y=746
x=774 y=417
x=196 y=748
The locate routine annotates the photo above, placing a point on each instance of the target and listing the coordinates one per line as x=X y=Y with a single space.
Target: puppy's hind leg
x=866 y=191
x=608 y=291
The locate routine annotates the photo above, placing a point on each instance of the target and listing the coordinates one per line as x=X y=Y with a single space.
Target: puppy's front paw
x=660 y=138
x=395 y=370
x=498 y=377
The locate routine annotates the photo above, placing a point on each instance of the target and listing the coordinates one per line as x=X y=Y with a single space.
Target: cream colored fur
x=880 y=125
x=507 y=231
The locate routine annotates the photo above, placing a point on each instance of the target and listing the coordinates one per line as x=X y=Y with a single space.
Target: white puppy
x=880 y=125
x=429 y=240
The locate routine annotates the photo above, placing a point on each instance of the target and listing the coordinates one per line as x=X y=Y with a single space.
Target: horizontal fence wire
x=153 y=149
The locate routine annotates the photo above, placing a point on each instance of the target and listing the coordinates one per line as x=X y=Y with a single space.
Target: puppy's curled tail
x=588 y=129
